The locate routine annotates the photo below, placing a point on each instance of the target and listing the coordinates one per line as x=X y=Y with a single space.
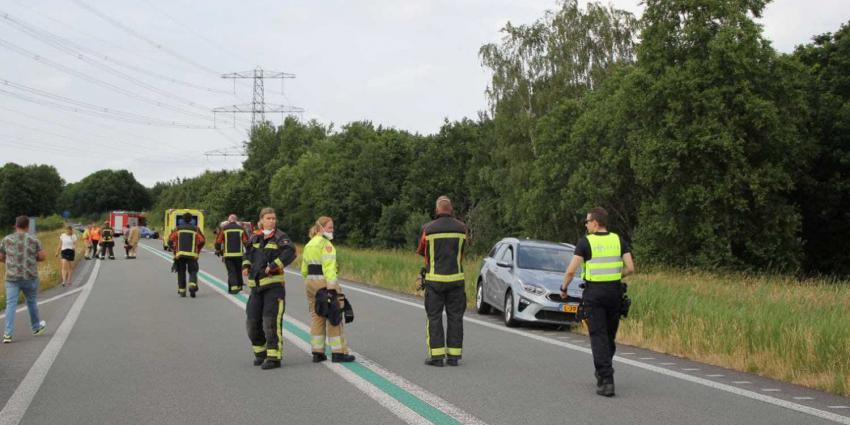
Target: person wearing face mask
x=267 y=253
x=604 y=258
x=319 y=269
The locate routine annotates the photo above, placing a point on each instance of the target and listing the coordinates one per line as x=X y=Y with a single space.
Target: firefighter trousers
x=265 y=320
x=320 y=327
x=234 y=273
x=106 y=248
x=184 y=266
x=451 y=297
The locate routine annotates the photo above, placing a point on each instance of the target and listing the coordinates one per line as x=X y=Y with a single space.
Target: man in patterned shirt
x=21 y=252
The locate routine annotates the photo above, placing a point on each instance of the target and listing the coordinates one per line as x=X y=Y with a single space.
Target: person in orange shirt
x=94 y=236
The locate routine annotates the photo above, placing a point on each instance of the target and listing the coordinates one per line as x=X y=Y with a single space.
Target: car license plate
x=569 y=308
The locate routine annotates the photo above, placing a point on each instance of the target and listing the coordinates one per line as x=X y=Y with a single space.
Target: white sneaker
x=42 y=326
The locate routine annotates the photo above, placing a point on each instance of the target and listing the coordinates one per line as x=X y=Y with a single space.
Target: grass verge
x=772 y=326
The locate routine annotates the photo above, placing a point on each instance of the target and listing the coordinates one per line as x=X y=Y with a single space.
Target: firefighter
x=230 y=244
x=94 y=236
x=107 y=241
x=442 y=243
x=186 y=242
x=266 y=255
x=319 y=269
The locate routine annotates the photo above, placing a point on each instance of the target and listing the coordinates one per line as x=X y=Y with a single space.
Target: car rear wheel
x=481 y=306
x=510 y=321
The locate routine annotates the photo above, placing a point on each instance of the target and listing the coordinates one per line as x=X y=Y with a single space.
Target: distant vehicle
x=174 y=218
x=148 y=233
x=522 y=278
x=120 y=219
x=79 y=227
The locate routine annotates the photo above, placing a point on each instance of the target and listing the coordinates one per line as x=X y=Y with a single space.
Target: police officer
x=266 y=255
x=319 y=269
x=107 y=241
x=442 y=243
x=605 y=258
x=230 y=244
x=186 y=242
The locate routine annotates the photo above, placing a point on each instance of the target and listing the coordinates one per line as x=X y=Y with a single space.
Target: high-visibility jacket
x=94 y=233
x=442 y=244
x=231 y=240
x=86 y=235
x=318 y=261
x=186 y=241
x=606 y=259
x=106 y=235
x=274 y=251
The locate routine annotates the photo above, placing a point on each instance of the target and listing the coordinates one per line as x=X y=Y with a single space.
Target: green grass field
x=773 y=326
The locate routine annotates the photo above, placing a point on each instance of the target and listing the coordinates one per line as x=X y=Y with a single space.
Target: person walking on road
x=605 y=258
x=443 y=243
x=230 y=245
x=266 y=256
x=94 y=235
x=107 y=241
x=131 y=241
x=186 y=242
x=21 y=252
x=67 y=250
x=319 y=269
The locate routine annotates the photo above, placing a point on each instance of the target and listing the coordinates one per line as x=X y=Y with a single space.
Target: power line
x=258 y=107
x=142 y=37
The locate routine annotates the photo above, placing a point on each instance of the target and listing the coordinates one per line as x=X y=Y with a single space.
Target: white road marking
x=19 y=402
x=690 y=369
x=715 y=376
x=46 y=300
x=647 y=358
x=771 y=390
x=403 y=412
x=741 y=382
x=804 y=398
x=668 y=364
x=646 y=366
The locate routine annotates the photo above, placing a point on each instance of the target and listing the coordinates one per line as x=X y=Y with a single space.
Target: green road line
x=414 y=403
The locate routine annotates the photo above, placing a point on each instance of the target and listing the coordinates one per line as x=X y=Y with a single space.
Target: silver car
x=522 y=278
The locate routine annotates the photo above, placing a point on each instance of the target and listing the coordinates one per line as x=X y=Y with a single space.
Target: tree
x=105 y=190
x=32 y=190
x=717 y=140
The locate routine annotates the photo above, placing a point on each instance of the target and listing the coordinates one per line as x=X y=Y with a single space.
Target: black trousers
x=602 y=303
x=234 y=271
x=94 y=253
x=265 y=320
x=107 y=247
x=451 y=297
x=189 y=265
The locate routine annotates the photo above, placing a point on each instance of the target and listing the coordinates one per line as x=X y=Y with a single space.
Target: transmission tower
x=258 y=106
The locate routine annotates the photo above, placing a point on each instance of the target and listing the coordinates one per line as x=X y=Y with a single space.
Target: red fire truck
x=119 y=219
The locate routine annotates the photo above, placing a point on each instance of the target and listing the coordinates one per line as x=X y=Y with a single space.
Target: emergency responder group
x=604 y=258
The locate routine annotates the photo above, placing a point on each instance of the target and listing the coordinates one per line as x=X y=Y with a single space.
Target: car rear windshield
x=549 y=259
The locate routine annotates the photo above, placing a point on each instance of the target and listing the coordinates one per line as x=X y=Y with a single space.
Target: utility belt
x=625 y=303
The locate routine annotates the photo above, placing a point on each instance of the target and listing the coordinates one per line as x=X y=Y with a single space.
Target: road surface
x=123 y=348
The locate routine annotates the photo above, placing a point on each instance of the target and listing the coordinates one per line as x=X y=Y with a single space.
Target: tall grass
x=773 y=326
x=48 y=270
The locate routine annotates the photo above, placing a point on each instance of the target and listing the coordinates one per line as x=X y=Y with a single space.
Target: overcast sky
x=408 y=64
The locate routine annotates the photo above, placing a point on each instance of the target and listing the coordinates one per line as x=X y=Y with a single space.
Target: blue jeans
x=13 y=290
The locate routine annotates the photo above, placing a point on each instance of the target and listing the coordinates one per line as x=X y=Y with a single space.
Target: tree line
x=708 y=147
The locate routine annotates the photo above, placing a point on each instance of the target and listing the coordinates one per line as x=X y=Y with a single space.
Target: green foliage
x=32 y=190
x=105 y=190
x=824 y=189
x=51 y=222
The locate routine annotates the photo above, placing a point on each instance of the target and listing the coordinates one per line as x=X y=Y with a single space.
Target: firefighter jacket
x=443 y=243
x=106 y=235
x=186 y=241
x=231 y=240
x=318 y=261
x=274 y=252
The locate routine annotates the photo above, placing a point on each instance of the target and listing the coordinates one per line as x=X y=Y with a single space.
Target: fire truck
x=119 y=219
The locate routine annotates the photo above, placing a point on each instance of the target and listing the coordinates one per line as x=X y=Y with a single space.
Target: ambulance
x=174 y=218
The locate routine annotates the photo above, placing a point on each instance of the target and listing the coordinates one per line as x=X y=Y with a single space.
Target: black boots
x=451 y=361
x=270 y=363
x=319 y=357
x=259 y=358
x=342 y=358
x=606 y=388
x=434 y=362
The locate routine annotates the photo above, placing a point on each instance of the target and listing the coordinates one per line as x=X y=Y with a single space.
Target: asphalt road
x=127 y=349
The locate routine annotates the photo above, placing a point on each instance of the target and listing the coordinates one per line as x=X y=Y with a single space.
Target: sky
x=147 y=73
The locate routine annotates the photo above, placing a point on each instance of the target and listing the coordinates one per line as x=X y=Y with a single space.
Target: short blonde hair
x=266 y=211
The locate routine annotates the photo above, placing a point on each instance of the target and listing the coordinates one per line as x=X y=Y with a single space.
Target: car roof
x=538 y=243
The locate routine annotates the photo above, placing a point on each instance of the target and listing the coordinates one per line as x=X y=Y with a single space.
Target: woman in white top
x=67 y=249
